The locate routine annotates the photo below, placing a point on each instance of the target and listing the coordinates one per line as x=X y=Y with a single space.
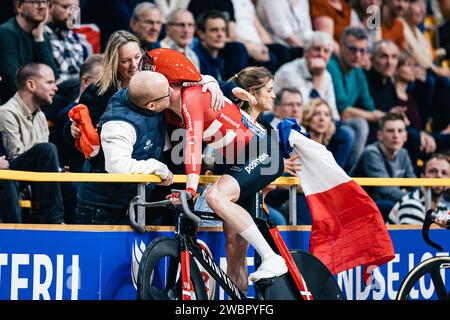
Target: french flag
x=348 y=229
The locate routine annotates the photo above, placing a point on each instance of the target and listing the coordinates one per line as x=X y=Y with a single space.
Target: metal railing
x=143 y=179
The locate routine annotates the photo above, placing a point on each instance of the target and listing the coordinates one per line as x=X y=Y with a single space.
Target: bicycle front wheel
x=159 y=275
x=431 y=268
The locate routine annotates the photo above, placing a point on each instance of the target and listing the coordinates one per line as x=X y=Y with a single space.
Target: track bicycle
x=168 y=269
x=434 y=268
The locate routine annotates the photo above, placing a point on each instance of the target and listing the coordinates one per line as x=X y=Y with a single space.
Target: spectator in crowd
x=180 y=29
x=132 y=119
x=146 y=23
x=435 y=93
x=249 y=30
x=381 y=75
x=166 y=7
x=309 y=74
x=69 y=156
x=381 y=85
x=234 y=52
x=386 y=158
x=420 y=143
x=25 y=133
x=22 y=40
x=353 y=100
x=331 y=16
x=288 y=23
x=69 y=50
x=318 y=122
x=391 y=25
x=225 y=7
x=411 y=209
x=288 y=104
x=215 y=59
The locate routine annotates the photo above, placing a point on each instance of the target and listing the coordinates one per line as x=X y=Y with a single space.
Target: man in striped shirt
x=411 y=208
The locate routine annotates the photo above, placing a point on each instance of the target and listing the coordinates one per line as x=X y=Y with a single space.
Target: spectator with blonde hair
x=318 y=122
x=121 y=61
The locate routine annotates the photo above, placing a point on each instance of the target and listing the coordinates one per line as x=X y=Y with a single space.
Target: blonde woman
x=318 y=122
x=121 y=61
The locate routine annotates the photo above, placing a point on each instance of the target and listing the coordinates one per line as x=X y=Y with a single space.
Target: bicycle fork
x=186 y=289
x=269 y=228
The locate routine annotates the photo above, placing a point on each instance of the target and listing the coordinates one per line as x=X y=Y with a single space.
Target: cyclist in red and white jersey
x=238 y=136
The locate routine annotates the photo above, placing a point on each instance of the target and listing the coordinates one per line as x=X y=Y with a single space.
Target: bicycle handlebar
x=138 y=223
x=430 y=218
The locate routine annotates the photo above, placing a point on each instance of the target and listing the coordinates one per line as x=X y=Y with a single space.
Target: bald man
x=132 y=132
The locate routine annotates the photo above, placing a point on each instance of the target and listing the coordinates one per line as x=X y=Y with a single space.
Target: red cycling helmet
x=176 y=67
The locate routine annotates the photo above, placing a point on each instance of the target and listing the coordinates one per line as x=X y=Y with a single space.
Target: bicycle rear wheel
x=318 y=278
x=159 y=275
x=431 y=267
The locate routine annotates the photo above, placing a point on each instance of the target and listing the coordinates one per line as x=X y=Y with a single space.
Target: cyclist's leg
x=221 y=197
x=236 y=251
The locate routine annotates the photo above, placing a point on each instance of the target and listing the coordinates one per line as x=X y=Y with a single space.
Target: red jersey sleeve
x=194 y=104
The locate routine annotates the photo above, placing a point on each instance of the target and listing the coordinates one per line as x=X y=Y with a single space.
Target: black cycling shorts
x=261 y=165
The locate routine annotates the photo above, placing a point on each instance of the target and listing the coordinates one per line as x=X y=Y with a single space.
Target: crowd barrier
x=142 y=179
x=71 y=262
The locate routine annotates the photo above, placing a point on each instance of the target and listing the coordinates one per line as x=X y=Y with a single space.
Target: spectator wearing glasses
x=353 y=100
x=180 y=29
x=22 y=41
x=146 y=23
x=69 y=50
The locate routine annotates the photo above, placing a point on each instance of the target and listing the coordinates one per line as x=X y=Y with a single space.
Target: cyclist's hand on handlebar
x=292 y=165
x=174 y=197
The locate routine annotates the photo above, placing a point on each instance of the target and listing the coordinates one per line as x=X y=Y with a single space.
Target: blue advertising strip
x=102 y=265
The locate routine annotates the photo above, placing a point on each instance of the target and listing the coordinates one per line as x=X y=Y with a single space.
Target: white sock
x=256 y=239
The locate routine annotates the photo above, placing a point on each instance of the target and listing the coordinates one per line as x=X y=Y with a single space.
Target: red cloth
x=89 y=141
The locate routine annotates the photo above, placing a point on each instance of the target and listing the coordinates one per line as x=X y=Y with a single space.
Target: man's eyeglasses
x=160 y=98
x=183 y=25
x=355 y=50
x=36 y=3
